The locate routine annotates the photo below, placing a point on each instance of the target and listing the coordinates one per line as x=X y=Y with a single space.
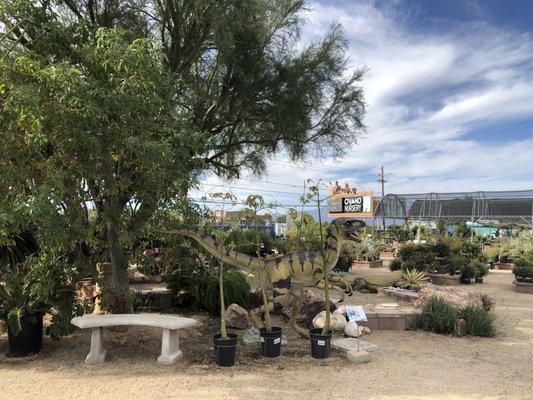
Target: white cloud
x=426 y=92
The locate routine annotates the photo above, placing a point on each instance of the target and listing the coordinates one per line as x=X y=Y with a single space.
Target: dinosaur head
x=347 y=229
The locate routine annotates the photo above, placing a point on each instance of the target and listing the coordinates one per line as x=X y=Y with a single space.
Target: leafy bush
x=441 y=249
x=347 y=256
x=413 y=279
x=456 y=262
x=472 y=251
x=245 y=241
x=468 y=271
x=416 y=256
x=523 y=266
x=367 y=250
x=395 y=265
x=480 y=321
x=195 y=283
x=479 y=268
x=438 y=316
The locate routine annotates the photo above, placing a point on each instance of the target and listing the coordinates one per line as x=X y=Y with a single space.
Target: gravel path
x=408 y=365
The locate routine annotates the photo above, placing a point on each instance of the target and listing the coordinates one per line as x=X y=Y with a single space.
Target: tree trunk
x=119 y=263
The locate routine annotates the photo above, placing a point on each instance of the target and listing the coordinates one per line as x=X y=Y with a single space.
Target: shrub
x=366 y=250
x=441 y=249
x=413 y=279
x=479 y=268
x=456 y=262
x=395 y=265
x=472 y=251
x=194 y=282
x=523 y=266
x=416 y=256
x=347 y=256
x=438 y=316
x=468 y=272
x=480 y=321
x=245 y=241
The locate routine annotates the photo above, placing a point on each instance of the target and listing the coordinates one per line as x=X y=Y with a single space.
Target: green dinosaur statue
x=289 y=273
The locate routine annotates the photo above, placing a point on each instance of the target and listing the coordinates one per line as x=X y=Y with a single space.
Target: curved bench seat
x=156 y=320
x=170 y=351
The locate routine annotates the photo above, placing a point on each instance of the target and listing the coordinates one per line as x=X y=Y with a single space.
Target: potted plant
x=480 y=270
x=271 y=336
x=31 y=286
x=320 y=338
x=468 y=274
x=225 y=344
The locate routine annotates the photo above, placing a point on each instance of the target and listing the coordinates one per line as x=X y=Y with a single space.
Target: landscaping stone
x=312 y=304
x=252 y=338
x=460 y=327
x=358 y=356
x=347 y=344
x=237 y=317
x=338 y=322
x=352 y=329
x=341 y=310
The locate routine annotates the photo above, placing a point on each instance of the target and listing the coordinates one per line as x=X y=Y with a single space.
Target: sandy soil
x=408 y=365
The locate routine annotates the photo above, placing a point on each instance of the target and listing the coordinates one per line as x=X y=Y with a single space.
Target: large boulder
x=312 y=303
x=337 y=321
x=237 y=317
x=455 y=295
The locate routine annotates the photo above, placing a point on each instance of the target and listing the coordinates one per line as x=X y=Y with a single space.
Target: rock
x=153 y=279
x=358 y=356
x=460 y=328
x=237 y=317
x=337 y=321
x=252 y=338
x=312 y=304
x=352 y=329
x=366 y=329
x=341 y=310
x=458 y=296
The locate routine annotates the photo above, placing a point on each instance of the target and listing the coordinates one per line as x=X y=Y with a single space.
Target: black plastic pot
x=479 y=280
x=30 y=339
x=225 y=350
x=320 y=344
x=271 y=341
x=519 y=278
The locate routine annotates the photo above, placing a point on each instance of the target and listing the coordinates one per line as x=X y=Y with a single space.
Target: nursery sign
x=357 y=204
x=346 y=205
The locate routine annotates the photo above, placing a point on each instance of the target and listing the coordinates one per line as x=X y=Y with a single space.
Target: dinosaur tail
x=217 y=249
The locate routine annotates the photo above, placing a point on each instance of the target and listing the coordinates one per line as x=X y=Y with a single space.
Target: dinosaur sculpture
x=292 y=272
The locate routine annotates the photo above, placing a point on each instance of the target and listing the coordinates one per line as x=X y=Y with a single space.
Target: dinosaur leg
x=341 y=282
x=295 y=309
x=256 y=313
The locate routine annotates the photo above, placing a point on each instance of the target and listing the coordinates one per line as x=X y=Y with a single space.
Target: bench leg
x=170 y=347
x=97 y=353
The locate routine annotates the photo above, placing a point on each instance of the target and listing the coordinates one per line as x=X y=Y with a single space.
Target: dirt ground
x=408 y=365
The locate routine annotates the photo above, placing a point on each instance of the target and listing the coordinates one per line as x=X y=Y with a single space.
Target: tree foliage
x=111 y=110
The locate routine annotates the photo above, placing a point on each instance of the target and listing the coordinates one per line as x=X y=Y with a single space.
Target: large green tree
x=117 y=107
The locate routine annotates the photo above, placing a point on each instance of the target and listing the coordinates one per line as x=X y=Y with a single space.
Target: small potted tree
x=321 y=337
x=225 y=343
x=271 y=336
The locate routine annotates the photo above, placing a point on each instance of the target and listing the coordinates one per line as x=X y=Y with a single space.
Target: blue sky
x=449 y=90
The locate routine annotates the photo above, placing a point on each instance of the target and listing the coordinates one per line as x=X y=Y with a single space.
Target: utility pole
x=381 y=179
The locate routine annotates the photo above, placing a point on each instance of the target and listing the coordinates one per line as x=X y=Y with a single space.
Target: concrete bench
x=170 y=351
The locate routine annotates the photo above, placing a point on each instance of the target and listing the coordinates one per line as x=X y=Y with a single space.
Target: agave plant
x=412 y=279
